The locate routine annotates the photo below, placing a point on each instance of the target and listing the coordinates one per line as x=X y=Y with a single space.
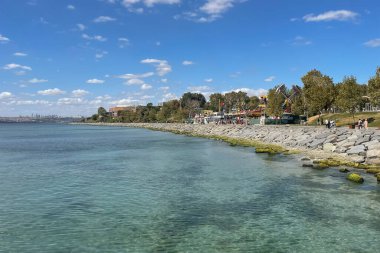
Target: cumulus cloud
x=250 y=92
x=5 y=94
x=164 y=88
x=186 y=63
x=168 y=97
x=103 y=19
x=35 y=80
x=199 y=89
x=339 y=15
x=20 y=54
x=95 y=81
x=12 y=66
x=70 y=7
x=269 y=79
x=125 y=102
x=373 y=43
x=95 y=37
x=31 y=102
x=79 y=93
x=208 y=80
x=100 y=55
x=3 y=39
x=134 y=81
x=51 y=92
x=162 y=66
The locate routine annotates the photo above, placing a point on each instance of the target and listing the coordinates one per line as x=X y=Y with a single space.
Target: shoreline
x=321 y=147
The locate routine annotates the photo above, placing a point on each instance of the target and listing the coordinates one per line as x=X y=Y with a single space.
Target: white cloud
x=70 y=101
x=301 y=41
x=103 y=19
x=51 y=92
x=269 y=79
x=135 y=76
x=81 y=27
x=95 y=81
x=134 y=82
x=105 y=97
x=70 y=7
x=20 y=54
x=5 y=94
x=209 y=80
x=186 y=63
x=250 y=92
x=95 y=37
x=35 y=80
x=123 y=42
x=146 y=86
x=79 y=93
x=373 y=43
x=3 y=39
x=216 y=7
x=162 y=66
x=125 y=102
x=339 y=15
x=164 y=80
x=169 y=96
x=199 y=89
x=146 y=97
x=149 y=3
x=16 y=66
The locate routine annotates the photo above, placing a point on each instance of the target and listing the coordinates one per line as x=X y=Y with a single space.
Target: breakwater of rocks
x=359 y=146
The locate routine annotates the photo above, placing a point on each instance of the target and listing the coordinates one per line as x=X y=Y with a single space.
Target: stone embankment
x=359 y=146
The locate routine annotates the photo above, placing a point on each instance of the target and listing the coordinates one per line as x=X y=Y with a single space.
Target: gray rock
x=371 y=143
x=362 y=140
x=329 y=147
x=357 y=158
x=374 y=153
x=373 y=161
x=316 y=143
x=356 y=150
x=340 y=150
x=322 y=135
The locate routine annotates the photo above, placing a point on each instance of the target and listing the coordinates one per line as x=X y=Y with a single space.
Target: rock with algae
x=344 y=170
x=355 y=178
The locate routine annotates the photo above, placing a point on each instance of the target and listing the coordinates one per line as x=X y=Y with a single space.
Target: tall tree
x=102 y=111
x=189 y=100
x=216 y=101
x=253 y=103
x=349 y=95
x=319 y=91
x=374 y=88
x=275 y=103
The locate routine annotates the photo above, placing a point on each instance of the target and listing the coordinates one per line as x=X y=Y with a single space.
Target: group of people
x=329 y=123
x=363 y=123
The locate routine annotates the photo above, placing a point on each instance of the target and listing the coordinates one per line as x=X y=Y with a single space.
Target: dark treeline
x=319 y=94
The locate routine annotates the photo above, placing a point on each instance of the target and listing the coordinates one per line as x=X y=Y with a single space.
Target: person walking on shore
x=366 y=124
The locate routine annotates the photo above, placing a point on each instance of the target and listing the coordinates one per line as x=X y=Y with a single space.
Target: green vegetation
x=319 y=96
x=355 y=178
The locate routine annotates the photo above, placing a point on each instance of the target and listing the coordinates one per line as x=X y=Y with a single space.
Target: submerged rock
x=344 y=170
x=355 y=178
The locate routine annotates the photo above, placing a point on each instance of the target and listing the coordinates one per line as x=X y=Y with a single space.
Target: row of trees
x=318 y=94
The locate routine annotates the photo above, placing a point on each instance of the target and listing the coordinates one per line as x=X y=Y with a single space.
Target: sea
x=80 y=188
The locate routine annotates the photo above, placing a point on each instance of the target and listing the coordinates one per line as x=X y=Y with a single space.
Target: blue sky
x=70 y=57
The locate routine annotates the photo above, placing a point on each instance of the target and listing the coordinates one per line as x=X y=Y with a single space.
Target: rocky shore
x=361 y=147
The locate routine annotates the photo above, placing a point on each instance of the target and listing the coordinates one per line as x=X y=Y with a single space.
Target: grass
x=344 y=119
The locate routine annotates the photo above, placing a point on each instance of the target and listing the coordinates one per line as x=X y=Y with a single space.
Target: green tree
x=275 y=102
x=102 y=111
x=216 y=101
x=253 y=103
x=319 y=91
x=349 y=96
x=189 y=100
x=374 y=88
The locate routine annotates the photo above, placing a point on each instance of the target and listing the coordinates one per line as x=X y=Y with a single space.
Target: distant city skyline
x=68 y=58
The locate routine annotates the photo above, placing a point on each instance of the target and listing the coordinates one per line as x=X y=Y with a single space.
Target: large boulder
x=362 y=140
x=355 y=150
x=357 y=158
x=374 y=153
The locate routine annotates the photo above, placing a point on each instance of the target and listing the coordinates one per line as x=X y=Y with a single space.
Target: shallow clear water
x=105 y=189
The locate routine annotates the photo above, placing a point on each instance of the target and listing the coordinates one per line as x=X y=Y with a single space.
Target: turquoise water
x=105 y=189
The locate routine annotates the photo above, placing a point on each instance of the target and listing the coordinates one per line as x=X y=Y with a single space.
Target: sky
x=68 y=58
